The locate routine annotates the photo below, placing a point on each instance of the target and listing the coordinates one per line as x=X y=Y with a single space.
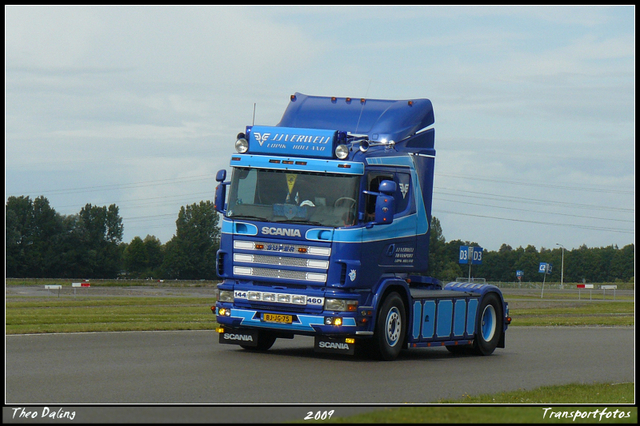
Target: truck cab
x=325 y=232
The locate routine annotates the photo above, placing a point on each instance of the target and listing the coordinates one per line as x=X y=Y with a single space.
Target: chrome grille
x=281 y=261
x=280 y=274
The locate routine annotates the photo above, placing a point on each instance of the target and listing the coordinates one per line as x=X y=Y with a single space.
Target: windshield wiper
x=300 y=221
x=249 y=217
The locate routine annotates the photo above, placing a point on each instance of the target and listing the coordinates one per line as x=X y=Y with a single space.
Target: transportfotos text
x=599 y=414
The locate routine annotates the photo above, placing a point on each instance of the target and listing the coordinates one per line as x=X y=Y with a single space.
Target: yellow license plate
x=286 y=319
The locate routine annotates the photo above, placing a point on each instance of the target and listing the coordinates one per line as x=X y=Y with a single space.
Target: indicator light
x=259 y=246
x=350 y=340
x=302 y=250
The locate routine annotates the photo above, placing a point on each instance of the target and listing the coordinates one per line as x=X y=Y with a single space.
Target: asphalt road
x=290 y=380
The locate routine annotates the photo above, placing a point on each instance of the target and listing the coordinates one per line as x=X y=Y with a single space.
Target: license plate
x=286 y=319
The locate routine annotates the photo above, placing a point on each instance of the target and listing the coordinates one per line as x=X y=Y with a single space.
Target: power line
x=164 y=197
x=595 y=228
x=543 y=185
x=533 y=211
x=488 y=196
x=122 y=186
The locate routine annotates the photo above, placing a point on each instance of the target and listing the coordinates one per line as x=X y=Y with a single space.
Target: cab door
x=391 y=246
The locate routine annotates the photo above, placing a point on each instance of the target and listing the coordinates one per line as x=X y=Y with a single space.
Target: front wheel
x=489 y=327
x=265 y=341
x=390 y=328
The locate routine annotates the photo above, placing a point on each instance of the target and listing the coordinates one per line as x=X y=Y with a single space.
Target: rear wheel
x=390 y=328
x=489 y=327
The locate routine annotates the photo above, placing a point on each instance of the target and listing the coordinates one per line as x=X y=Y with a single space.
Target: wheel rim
x=394 y=326
x=488 y=322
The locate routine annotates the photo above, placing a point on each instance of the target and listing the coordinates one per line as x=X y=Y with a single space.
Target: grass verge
x=573 y=314
x=108 y=314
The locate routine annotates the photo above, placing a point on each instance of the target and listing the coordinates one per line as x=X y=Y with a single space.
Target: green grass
x=573 y=314
x=566 y=394
x=84 y=314
x=545 y=397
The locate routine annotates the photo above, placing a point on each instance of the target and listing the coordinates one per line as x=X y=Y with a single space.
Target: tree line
x=600 y=264
x=41 y=243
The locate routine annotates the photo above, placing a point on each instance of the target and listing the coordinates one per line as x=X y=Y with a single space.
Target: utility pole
x=562 y=267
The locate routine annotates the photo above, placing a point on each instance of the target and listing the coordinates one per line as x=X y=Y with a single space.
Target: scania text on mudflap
x=325 y=233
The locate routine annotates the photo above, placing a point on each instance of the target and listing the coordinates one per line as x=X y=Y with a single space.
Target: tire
x=390 y=328
x=489 y=326
x=459 y=350
x=265 y=341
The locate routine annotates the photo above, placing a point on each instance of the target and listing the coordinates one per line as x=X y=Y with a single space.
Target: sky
x=139 y=106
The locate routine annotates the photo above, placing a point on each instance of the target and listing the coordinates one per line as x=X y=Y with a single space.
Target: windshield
x=294 y=197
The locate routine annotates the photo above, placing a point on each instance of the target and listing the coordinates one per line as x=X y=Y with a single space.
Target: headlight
x=225 y=296
x=342 y=305
x=342 y=152
x=242 y=145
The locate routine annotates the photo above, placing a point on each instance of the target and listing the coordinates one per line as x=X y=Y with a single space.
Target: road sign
x=476 y=257
x=545 y=268
x=464 y=255
x=470 y=253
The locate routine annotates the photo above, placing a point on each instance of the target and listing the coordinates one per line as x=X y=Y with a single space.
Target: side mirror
x=385 y=203
x=221 y=191
x=385 y=207
x=387 y=187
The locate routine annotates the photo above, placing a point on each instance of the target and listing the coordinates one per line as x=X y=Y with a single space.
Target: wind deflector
x=377 y=118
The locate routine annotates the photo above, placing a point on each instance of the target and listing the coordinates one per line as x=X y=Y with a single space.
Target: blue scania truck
x=325 y=233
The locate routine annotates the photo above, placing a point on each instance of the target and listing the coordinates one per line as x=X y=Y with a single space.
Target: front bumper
x=325 y=323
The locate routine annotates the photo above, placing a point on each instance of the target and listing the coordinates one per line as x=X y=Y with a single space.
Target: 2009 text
x=319 y=415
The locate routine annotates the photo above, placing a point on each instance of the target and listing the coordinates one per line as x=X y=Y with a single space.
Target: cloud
x=118 y=95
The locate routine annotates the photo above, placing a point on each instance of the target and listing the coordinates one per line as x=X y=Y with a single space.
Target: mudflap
x=332 y=345
x=242 y=337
